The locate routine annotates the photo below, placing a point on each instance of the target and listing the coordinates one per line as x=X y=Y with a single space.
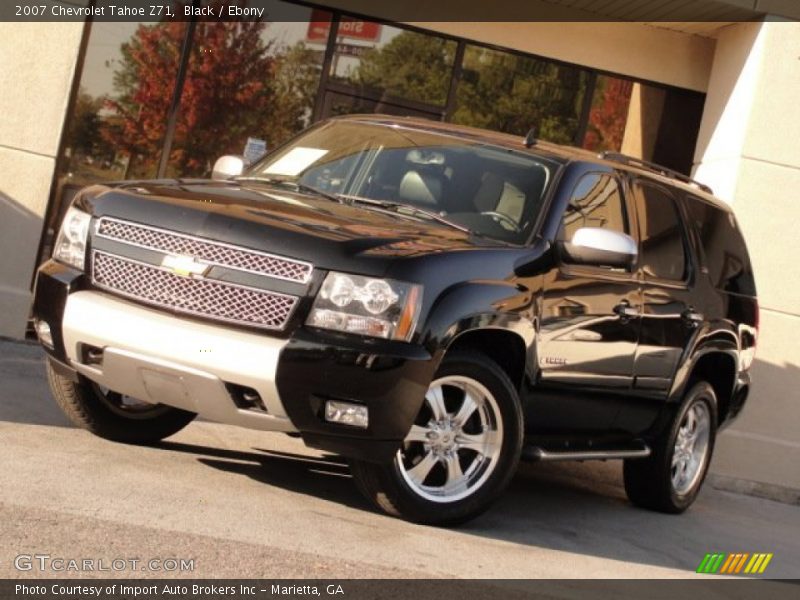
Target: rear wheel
x=670 y=479
x=461 y=452
x=113 y=416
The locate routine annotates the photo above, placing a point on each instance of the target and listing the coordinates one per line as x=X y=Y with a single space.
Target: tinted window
x=662 y=243
x=724 y=251
x=252 y=81
x=119 y=118
x=382 y=62
x=595 y=202
x=512 y=93
x=646 y=121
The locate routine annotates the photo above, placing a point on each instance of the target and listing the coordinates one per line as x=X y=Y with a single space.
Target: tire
x=422 y=483
x=105 y=415
x=656 y=483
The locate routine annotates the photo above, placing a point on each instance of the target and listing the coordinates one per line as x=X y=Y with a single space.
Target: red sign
x=320 y=26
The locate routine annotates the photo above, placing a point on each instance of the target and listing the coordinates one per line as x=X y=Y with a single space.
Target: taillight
x=756 y=317
x=748 y=338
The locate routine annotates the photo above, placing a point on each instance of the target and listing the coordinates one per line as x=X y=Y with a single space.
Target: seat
x=496 y=195
x=421 y=188
x=488 y=194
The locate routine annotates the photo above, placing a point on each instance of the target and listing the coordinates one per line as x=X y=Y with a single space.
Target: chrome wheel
x=454 y=445
x=691 y=447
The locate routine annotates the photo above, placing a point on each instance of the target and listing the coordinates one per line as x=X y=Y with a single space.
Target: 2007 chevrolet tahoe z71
x=432 y=302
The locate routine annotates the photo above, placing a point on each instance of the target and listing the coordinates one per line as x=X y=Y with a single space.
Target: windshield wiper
x=300 y=187
x=397 y=206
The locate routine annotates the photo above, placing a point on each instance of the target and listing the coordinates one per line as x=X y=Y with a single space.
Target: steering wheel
x=503 y=219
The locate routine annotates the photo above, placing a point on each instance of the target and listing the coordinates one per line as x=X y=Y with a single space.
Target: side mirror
x=227 y=166
x=601 y=248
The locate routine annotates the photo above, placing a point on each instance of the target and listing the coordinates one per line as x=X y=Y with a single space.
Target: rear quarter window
x=724 y=253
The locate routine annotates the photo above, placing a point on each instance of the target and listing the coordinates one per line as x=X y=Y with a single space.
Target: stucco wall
x=35 y=78
x=749 y=153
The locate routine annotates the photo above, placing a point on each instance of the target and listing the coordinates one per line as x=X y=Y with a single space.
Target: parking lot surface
x=247 y=504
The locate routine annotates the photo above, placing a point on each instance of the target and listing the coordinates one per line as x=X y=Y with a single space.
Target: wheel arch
x=717 y=366
x=495 y=318
x=505 y=347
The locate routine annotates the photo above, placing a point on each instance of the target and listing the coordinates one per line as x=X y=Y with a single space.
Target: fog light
x=43 y=333
x=347 y=413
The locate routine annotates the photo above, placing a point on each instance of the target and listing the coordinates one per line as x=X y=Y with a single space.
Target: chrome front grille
x=213 y=253
x=202 y=297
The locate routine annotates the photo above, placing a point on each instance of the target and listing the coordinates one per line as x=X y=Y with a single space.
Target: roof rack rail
x=651 y=166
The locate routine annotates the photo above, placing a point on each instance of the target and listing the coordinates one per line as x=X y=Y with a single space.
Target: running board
x=537 y=453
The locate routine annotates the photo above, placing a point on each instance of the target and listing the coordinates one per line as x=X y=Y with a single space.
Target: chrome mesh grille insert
x=215 y=253
x=203 y=297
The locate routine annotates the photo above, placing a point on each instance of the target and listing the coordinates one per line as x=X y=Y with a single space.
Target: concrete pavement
x=247 y=504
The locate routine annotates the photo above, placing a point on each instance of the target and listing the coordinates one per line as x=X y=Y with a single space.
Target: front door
x=589 y=321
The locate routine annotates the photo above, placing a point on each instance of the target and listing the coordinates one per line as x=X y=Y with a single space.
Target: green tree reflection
x=497 y=90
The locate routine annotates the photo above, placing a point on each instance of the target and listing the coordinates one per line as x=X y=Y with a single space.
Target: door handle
x=625 y=311
x=692 y=318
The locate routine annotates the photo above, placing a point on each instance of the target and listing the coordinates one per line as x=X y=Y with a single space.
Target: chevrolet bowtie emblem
x=185 y=266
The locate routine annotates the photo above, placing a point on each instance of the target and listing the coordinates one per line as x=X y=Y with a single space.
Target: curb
x=768 y=491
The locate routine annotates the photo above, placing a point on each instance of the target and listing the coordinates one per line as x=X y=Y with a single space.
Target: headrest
x=489 y=192
x=421 y=188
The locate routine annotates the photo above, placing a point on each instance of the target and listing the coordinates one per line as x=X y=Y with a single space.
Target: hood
x=329 y=234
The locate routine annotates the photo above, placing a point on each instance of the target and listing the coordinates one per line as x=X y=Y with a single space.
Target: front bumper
x=192 y=364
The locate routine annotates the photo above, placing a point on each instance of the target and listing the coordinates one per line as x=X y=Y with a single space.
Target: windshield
x=488 y=190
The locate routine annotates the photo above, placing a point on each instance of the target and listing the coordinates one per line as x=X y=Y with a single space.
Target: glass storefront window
x=644 y=121
x=245 y=80
x=119 y=117
x=608 y=116
x=512 y=93
x=250 y=86
x=385 y=63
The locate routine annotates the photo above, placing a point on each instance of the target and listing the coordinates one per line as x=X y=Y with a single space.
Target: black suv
x=432 y=302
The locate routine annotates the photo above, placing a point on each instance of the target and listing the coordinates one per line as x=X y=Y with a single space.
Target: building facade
x=87 y=102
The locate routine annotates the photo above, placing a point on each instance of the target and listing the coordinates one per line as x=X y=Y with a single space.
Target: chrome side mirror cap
x=600 y=247
x=227 y=167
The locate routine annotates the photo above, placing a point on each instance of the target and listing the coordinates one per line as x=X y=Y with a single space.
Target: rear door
x=669 y=317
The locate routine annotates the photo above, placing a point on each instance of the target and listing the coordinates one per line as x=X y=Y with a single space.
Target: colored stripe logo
x=743 y=563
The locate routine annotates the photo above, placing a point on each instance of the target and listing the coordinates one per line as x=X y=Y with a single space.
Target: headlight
x=375 y=307
x=70 y=245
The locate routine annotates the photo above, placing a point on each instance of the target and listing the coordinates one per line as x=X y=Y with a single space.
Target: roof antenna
x=530 y=139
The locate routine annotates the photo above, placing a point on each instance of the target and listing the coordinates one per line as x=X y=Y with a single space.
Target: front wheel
x=113 y=416
x=461 y=452
x=670 y=479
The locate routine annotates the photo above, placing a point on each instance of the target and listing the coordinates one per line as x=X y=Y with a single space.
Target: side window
x=661 y=233
x=595 y=202
x=724 y=251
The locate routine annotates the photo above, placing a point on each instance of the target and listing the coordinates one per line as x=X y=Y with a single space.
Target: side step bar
x=537 y=453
